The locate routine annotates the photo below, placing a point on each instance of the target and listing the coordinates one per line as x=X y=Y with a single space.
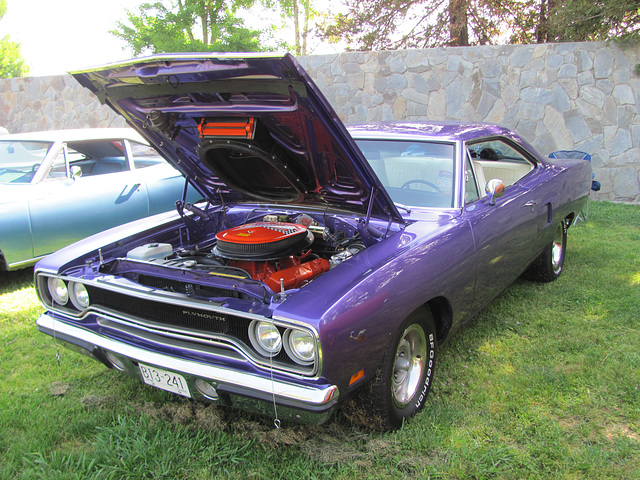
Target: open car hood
x=244 y=128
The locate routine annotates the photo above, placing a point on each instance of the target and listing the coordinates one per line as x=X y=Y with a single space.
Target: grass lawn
x=544 y=383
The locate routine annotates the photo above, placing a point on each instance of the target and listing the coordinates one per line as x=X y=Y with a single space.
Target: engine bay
x=281 y=251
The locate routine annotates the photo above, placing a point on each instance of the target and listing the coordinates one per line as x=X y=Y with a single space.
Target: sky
x=57 y=36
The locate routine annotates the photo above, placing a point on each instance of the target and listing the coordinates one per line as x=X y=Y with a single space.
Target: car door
x=505 y=232
x=82 y=195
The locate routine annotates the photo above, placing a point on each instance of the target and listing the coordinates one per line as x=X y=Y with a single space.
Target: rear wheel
x=404 y=379
x=548 y=266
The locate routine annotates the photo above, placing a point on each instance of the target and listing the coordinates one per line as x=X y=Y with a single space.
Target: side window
x=498 y=159
x=471 y=187
x=59 y=167
x=144 y=155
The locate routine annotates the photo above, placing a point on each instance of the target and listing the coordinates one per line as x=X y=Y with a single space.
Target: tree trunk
x=296 y=25
x=307 y=12
x=458 y=26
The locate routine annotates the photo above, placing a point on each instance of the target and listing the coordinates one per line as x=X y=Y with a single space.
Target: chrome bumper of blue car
x=239 y=389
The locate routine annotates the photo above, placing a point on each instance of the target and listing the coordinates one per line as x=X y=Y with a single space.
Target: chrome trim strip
x=300 y=393
x=136 y=328
x=132 y=289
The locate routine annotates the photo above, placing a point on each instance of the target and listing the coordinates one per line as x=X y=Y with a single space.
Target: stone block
x=621 y=142
x=520 y=57
x=626 y=186
x=561 y=100
x=603 y=63
x=623 y=95
x=568 y=71
x=576 y=125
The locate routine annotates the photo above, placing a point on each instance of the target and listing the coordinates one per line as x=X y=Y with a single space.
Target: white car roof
x=74 y=135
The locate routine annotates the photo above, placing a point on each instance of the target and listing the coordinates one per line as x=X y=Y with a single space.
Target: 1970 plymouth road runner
x=327 y=264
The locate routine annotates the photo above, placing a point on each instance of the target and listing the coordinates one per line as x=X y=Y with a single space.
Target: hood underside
x=245 y=129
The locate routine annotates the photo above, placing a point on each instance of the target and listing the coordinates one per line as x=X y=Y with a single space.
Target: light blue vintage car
x=57 y=187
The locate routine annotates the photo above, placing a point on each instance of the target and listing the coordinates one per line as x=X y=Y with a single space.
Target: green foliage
x=392 y=24
x=543 y=384
x=188 y=26
x=11 y=62
x=586 y=20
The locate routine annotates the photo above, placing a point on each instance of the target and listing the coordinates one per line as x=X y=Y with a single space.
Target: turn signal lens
x=58 y=290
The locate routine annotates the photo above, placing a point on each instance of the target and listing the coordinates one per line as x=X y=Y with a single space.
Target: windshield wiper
x=403 y=207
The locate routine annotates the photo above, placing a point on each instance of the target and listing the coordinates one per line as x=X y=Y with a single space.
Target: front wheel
x=548 y=266
x=404 y=379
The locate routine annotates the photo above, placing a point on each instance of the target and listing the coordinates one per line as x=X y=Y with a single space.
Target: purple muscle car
x=326 y=265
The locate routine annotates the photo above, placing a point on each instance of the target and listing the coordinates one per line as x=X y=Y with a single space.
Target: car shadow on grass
x=16 y=280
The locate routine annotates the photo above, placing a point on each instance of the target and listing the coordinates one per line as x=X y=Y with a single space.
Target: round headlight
x=79 y=296
x=266 y=338
x=300 y=346
x=58 y=290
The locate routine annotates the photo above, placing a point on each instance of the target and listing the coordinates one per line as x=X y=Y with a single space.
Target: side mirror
x=76 y=171
x=494 y=189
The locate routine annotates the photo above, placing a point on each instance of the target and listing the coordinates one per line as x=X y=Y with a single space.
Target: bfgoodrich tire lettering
x=404 y=378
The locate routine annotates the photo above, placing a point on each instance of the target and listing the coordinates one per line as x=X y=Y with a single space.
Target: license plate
x=172 y=382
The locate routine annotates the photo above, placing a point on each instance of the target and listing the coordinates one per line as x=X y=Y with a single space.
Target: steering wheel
x=421 y=182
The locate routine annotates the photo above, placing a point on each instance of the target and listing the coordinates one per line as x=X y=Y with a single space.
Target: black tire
x=402 y=383
x=548 y=266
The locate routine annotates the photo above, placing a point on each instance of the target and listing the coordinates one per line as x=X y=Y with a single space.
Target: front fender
x=365 y=300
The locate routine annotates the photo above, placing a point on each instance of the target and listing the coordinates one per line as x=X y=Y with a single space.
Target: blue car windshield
x=417 y=174
x=19 y=161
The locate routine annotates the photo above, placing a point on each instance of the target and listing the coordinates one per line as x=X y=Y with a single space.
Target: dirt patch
x=98 y=401
x=58 y=389
x=612 y=432
x=191 y=414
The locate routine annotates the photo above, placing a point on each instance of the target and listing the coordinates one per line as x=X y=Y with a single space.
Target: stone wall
x=582 y=96
x=32 y=104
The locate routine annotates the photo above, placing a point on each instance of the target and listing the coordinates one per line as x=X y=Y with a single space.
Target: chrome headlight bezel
x=58 y=291
x=301 y=353
x=79 y=295
x=265 y=338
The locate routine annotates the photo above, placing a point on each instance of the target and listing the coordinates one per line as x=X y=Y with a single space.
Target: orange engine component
x=290 y=270
x=272 y=252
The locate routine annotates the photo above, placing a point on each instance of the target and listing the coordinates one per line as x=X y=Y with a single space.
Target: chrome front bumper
x=243 y=390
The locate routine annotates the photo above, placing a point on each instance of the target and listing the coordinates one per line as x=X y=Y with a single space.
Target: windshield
x=418 y=174
x=19 y=161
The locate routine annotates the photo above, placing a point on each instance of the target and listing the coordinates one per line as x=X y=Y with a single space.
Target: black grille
x=187 y=288
x=179 y=317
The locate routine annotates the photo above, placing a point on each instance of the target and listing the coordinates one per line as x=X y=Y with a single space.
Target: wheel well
x=442 y=316
x=3 y=263
x=568 y=220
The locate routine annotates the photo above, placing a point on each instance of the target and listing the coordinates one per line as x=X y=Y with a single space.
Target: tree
x=300 y=11
x=11 y=62
x=391 y=24
x=188 y=26
x=584 y=20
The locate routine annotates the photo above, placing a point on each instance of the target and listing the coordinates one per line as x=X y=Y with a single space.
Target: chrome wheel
x=409 y=365
x=557 y=250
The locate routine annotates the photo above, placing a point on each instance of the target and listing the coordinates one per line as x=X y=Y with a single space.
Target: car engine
x=280 y=253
